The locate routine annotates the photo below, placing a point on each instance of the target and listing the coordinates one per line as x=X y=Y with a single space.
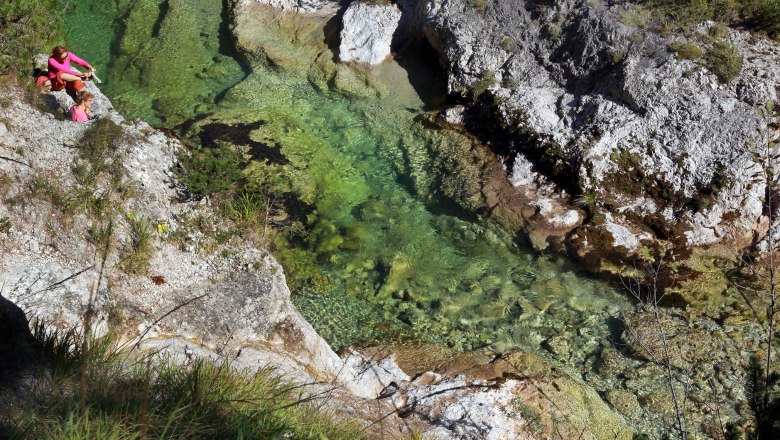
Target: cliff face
x=609 y=108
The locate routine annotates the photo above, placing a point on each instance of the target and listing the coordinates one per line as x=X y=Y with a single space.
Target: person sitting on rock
x=62 y=76
x=81 y=111
x=44 y=83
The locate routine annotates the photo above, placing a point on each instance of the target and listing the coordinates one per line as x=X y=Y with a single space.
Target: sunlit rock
x=367 y=32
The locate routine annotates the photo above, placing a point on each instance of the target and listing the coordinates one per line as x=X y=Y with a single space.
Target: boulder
x=367 y=31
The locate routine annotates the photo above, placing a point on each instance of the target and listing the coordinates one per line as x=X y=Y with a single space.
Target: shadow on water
x=227 y=47
x=164 y=8
x=420 y=61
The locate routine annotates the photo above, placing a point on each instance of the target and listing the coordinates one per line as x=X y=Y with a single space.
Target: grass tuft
x=137 y=254
x=27 y=27
x=98 y=392
x=724 y=61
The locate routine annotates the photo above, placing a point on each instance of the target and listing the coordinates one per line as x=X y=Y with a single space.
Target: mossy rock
x=661 y=403
x=625 y=402
x=578 y=408
x=611 y=362
x=707 y=291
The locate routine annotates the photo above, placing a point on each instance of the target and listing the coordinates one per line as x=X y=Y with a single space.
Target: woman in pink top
x=61 y=74
x=80 y=112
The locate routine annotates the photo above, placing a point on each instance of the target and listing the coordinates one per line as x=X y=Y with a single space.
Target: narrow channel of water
x=394 y=255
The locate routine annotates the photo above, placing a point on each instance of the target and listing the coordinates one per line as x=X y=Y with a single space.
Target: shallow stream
x=395 y=256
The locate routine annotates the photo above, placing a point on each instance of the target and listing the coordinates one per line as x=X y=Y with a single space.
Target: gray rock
x=308 y=6
x=617 y=99
x=367 y=31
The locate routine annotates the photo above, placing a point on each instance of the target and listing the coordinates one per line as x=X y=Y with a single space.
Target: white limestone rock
x=306 y=6
x=367 y=32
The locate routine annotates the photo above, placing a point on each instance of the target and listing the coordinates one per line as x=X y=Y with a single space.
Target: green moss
x=508 y=44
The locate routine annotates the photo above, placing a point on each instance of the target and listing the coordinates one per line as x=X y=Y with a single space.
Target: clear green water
x=394 y=256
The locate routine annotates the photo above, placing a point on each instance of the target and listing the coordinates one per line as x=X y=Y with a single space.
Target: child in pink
x=80 y=112
x=60 y=72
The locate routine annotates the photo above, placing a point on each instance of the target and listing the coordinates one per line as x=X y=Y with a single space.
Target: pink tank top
x=78 y=115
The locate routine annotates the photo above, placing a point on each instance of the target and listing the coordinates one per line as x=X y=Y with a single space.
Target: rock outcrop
x=309 y=6
x=612 y=111
x=367 y=31
x=51 y=265
x=650 y=129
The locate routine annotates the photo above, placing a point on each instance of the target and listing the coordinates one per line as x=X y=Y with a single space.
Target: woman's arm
x=79 y=61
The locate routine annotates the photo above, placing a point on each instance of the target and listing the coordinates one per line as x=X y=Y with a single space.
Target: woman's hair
x=83 y=96
x=58 y=52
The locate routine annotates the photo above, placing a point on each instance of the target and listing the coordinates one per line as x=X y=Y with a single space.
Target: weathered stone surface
x=367 y=31
x=624 y=402
x=308 y=6
x=654 y=138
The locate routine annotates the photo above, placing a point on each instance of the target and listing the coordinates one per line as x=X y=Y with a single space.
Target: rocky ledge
x=649 y=132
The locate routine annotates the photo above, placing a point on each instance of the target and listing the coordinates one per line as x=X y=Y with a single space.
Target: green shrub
x=27 y=27
x=209 y=171
x=756 y=15
x=686 y=50
x=764 y=16
x=724 y=61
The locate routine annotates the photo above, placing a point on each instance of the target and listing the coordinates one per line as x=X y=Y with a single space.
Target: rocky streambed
x=411 y=220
